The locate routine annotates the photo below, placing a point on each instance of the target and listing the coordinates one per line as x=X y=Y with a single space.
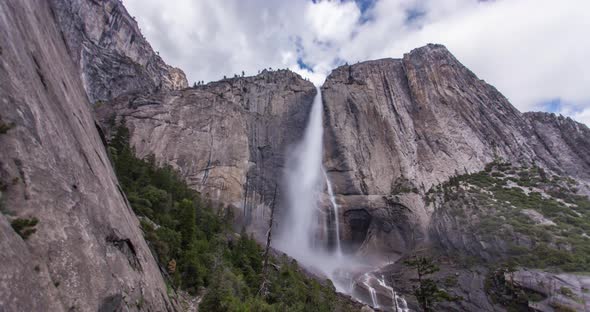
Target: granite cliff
x=422 y=155
x=70 y=241
x=112 y=55
x=397 y=130
x=227 y=138
x=396 y=127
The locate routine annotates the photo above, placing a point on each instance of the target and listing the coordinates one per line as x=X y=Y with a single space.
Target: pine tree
x=187 y=226
x=427 y=291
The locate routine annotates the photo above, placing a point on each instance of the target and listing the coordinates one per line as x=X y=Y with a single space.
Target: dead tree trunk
x=263 y=287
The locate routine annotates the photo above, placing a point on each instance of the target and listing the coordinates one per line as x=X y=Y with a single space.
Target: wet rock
x=367 y=309
x=358 y=221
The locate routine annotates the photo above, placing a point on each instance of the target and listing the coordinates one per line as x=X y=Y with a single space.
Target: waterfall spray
x=304 y=183
x=304 y=232
x=336 y=214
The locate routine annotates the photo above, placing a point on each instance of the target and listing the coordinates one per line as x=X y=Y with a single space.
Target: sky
x=536 y=52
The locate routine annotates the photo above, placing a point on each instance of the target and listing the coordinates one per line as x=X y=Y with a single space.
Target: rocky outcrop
x=420 y=118
x=562 y=144
x=112 y=55
x=560 y=292
x=85 y=251
x=228 y=138
x=396 y=127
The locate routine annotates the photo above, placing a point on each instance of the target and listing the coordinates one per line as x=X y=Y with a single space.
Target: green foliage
x=403 y=185
x=496 y=203
x=566 y=291
x=4 y=127
x=507 y=294
x=561 y=307
x=24 y=227
x=196 y=245
x=427 y=292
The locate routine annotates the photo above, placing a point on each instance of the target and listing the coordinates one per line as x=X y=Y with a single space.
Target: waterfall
x=399 y=303
x=305 y=227
x=301 y=236
x=336 y=214
x=305 y=231
x=374 y=302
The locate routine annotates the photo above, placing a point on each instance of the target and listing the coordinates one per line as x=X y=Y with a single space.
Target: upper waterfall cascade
x=305 y=234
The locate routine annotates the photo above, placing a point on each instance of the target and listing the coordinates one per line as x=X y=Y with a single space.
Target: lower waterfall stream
x=308 y=226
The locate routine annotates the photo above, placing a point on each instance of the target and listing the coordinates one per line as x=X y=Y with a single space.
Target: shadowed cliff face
x=112 y=55
x=396 y=127
x=87 y=252
x=229 y=138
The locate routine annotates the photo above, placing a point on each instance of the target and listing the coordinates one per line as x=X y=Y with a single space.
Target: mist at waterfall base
x=310 y=231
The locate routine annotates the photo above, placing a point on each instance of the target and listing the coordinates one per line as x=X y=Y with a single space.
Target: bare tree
x=263 y=287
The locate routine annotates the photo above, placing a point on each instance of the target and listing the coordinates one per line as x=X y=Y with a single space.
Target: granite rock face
x=228 y=139
x=393 y=128
x=562 y=144
x=87 y=252
x=112 y=55
x=396 y=127
x=559 y=290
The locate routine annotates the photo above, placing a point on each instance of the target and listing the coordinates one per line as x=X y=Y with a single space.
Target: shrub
x=4 y=127
x=24 y=227
x=566 y=291
x=495 y=211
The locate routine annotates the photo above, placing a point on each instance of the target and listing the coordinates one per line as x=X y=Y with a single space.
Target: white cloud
x=332 y=21
x=583 y=116
x=532 y=50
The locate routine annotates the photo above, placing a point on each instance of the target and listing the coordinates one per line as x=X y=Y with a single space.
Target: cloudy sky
x=536 y=52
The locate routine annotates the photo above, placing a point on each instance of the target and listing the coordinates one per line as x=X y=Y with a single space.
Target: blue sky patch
x=303 y=65
x=413 y=15
x=552 y=106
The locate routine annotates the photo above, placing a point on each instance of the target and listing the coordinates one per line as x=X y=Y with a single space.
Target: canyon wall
x=229 y=139
x=112 y=55
x=85 y=251
x=396 y=127
x=394 y=130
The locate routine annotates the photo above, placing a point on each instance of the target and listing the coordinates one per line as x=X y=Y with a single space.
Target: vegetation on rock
x=4 y=127
x=505 y=293
x=427 y=290
x=194 y=243
x=522 y=214
x=24 y=227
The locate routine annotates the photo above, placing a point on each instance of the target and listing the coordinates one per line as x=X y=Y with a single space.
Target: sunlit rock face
x=112 y=55
x=396 y=127
x=87 y=252
x=229 y=139
x=562 y=143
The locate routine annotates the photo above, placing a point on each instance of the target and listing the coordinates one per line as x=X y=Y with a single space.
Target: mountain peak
x=430 y=47
x=111 y=53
